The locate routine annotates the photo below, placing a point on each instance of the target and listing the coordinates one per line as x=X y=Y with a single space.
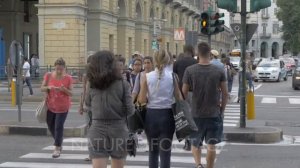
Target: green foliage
x=289 y=14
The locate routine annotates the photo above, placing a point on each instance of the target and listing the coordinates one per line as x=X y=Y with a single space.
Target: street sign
x=251 y=29
x=154 y=45
x=237 y=30
x=179 y=34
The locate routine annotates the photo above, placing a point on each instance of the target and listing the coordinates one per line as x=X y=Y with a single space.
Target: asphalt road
x=277 y=104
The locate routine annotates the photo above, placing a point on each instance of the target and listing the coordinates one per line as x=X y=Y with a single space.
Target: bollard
x=250 y=105
x=13 y=92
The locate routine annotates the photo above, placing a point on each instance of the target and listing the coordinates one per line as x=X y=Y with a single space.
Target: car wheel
x=255 y=80
x=296 y=88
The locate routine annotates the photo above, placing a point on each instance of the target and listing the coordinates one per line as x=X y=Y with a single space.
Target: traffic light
x=230 y=5
x=216 y=25
x=256 y=5
x=205 y=23
x=210 y=23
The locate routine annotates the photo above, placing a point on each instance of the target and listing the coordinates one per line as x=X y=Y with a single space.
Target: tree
x=289 y=14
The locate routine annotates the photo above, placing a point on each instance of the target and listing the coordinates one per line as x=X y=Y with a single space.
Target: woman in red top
x=59 y=91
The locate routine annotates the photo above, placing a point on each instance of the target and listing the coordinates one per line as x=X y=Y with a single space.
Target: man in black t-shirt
x=179 y=68
x=206 y=80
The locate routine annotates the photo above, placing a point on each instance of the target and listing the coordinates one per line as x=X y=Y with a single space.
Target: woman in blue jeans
x=157 y=90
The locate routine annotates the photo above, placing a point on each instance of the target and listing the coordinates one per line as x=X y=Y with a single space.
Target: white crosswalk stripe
x=276 y=100
x=268 y=100
x=75 y=150
x=232 y=115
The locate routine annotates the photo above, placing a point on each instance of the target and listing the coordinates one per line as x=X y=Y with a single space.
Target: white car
x=271 y=70
x=235 y=62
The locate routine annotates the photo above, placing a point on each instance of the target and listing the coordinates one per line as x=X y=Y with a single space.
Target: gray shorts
x=209 y=129
x=108 y=140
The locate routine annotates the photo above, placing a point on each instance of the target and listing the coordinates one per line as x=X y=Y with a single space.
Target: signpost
x=16 y=59
x=237 y=30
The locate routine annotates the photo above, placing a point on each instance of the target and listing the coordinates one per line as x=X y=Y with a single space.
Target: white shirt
x=26 y=69
x=160 y=96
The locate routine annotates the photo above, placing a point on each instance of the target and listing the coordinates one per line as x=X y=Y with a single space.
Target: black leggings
x=160 y=127
x=55 y=122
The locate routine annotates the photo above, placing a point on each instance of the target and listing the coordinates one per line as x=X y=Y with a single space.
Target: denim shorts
x=209 y=129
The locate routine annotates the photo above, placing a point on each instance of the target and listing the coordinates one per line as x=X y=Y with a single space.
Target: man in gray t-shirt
x=206 y=81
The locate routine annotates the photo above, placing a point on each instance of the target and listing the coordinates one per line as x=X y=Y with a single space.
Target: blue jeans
x=229 y=83
x=55 y=122
x=28 y=83
x=159 y=128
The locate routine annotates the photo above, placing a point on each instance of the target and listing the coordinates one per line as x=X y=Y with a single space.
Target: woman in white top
x=157 y=90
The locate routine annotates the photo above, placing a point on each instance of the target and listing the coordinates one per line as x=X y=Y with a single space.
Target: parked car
x=271 y=70
x=296 y=78
x=235 y=62
x=290 y=64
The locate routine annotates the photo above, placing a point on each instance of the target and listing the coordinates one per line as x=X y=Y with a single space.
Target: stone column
x=62 y=31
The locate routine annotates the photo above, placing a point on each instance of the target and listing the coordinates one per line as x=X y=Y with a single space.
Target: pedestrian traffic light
x=257 y=5
x=215 y=24
x=205 y=23
x=230 y=5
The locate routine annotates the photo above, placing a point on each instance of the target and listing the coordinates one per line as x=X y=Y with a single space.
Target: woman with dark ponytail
x=157 y=91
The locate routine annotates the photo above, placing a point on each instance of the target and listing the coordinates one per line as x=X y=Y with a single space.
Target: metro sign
x=179 y=34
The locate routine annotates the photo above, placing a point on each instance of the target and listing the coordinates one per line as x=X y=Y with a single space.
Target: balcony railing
x=265 y=16
x=265 y=35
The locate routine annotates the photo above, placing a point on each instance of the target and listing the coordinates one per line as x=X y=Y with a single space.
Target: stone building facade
x=72 y=28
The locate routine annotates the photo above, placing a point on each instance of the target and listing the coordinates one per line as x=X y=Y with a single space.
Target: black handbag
x=184 y=122
x=132 y=141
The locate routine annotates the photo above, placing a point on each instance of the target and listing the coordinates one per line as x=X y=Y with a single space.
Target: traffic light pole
x=242 y=83
x=209 y=40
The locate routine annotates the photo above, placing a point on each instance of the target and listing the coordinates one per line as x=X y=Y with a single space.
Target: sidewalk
x=74 y=126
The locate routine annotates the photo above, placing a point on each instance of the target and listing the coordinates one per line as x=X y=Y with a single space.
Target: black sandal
x=200 y=166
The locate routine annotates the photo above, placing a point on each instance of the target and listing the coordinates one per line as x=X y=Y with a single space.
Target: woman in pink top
x=59 y=91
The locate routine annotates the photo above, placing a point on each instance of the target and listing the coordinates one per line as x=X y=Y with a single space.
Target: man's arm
x=224 y=96
x=185 y=89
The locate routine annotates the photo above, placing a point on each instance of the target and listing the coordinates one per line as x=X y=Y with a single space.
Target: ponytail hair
x=161 y=59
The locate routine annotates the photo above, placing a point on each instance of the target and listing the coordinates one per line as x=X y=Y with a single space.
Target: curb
x=258 y=135
x=7 y=98
x=40 y=130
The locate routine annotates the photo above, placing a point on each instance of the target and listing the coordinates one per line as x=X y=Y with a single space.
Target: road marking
x=231 y=121
x=277 y=96
x=229 y=125
x=232 y=117
x=294 y=101
x=232 y=114
x=269 y=100
x=54 y=165
x=233 y=111
x=143 y=158
x=258 y=86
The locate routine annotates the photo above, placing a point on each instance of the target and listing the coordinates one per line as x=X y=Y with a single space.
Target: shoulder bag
x=41 y=111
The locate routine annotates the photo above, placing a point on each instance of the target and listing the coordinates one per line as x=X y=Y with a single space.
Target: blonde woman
x=157 y=90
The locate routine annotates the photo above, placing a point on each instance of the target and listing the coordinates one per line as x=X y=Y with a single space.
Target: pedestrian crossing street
x=75 y=151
